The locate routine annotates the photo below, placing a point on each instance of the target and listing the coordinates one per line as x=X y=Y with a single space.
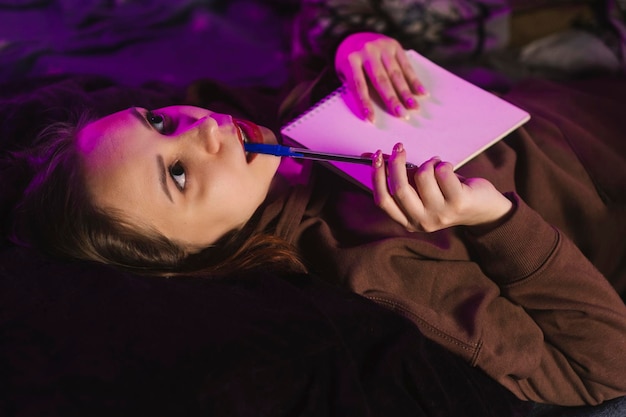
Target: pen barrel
x=280 y=150
x=326 y=156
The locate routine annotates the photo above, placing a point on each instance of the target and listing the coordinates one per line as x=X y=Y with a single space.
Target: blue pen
x=280 y=150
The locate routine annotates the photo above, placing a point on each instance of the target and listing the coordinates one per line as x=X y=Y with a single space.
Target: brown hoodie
x=521 y=301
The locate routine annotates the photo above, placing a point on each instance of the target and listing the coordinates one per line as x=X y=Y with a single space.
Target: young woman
x=468 y=258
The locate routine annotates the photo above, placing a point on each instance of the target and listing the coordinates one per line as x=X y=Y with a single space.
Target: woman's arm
x=580 y=357
x=556 y=330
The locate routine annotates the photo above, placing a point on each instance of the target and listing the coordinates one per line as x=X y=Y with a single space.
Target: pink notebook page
x=456 y=121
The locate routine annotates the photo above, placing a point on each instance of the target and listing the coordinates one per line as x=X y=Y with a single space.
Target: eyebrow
x=162 y=178
x=137 y=114
x=159 y=159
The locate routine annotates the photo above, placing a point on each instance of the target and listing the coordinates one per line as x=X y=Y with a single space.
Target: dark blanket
x=79 y=340
x=243 y=42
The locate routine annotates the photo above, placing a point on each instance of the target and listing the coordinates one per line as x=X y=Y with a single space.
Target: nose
x=208 y=134
x=204 y=133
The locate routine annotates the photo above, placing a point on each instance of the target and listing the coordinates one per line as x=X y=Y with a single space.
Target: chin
x=269 y=137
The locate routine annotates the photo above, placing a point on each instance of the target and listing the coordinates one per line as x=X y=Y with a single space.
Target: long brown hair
x=56 y=215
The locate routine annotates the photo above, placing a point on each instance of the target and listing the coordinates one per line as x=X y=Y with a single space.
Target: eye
x=177 y=172
x=160 y=122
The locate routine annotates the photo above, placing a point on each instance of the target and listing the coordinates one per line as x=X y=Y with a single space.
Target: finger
x=450 y=184
x=356 y=83
x=413 y=81
x=379 y=77
x=402 y=191
x=397 y=169
x=427 y=186
x=371 y=155
x=382 y=197
x=399 y=81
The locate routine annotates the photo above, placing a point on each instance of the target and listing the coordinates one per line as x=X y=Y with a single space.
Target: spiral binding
x=313 y=109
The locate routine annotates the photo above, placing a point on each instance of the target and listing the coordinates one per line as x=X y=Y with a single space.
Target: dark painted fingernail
x=367 y=114
x=400 y=111
x=421 y=90
x=378 y=159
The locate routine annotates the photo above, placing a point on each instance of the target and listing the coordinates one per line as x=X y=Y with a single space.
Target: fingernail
x=378 y=159
x=421 y=90
x=398 y=147
x=367 y=114
x=411 y=102
x=400 y=112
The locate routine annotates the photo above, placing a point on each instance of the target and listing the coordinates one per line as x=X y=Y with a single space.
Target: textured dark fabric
x=32 y=104
x=243 y=42
x=78 y=340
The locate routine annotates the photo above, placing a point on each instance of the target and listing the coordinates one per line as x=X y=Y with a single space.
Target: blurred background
x=248 y=42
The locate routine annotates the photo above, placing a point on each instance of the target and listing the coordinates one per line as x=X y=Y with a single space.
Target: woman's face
x=179 y=169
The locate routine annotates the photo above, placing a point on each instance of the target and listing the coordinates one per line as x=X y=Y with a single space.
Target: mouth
x=248 y=132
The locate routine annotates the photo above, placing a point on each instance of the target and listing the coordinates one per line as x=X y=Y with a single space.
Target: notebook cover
x=456 y=121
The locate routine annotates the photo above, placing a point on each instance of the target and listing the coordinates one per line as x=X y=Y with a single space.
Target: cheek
x=265 y=178
x=269 y=166
x=235 y=201
x=252 y=195
x=237 y=194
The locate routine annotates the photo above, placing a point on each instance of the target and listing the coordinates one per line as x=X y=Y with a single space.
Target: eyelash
x=155 y=118
x=171 y=170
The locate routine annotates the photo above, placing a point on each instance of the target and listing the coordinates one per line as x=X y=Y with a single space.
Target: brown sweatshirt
x=521 y=301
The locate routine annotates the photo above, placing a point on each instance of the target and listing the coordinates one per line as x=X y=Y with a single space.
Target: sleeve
x=582 y=320
x=437 y=28
x=321 y=25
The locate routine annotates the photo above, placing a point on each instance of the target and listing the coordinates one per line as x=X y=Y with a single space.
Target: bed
x=81 y=339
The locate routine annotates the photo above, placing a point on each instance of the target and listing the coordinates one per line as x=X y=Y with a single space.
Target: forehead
x=118 y=166
x=94 y=134
x=114 y=153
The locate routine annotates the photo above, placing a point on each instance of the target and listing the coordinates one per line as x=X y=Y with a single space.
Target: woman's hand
x=433 y=197
x=381 y=60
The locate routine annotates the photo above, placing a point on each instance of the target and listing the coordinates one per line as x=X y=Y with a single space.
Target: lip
x=248 y=132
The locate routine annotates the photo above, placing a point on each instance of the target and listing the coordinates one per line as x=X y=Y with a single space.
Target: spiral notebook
x=456 y=121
